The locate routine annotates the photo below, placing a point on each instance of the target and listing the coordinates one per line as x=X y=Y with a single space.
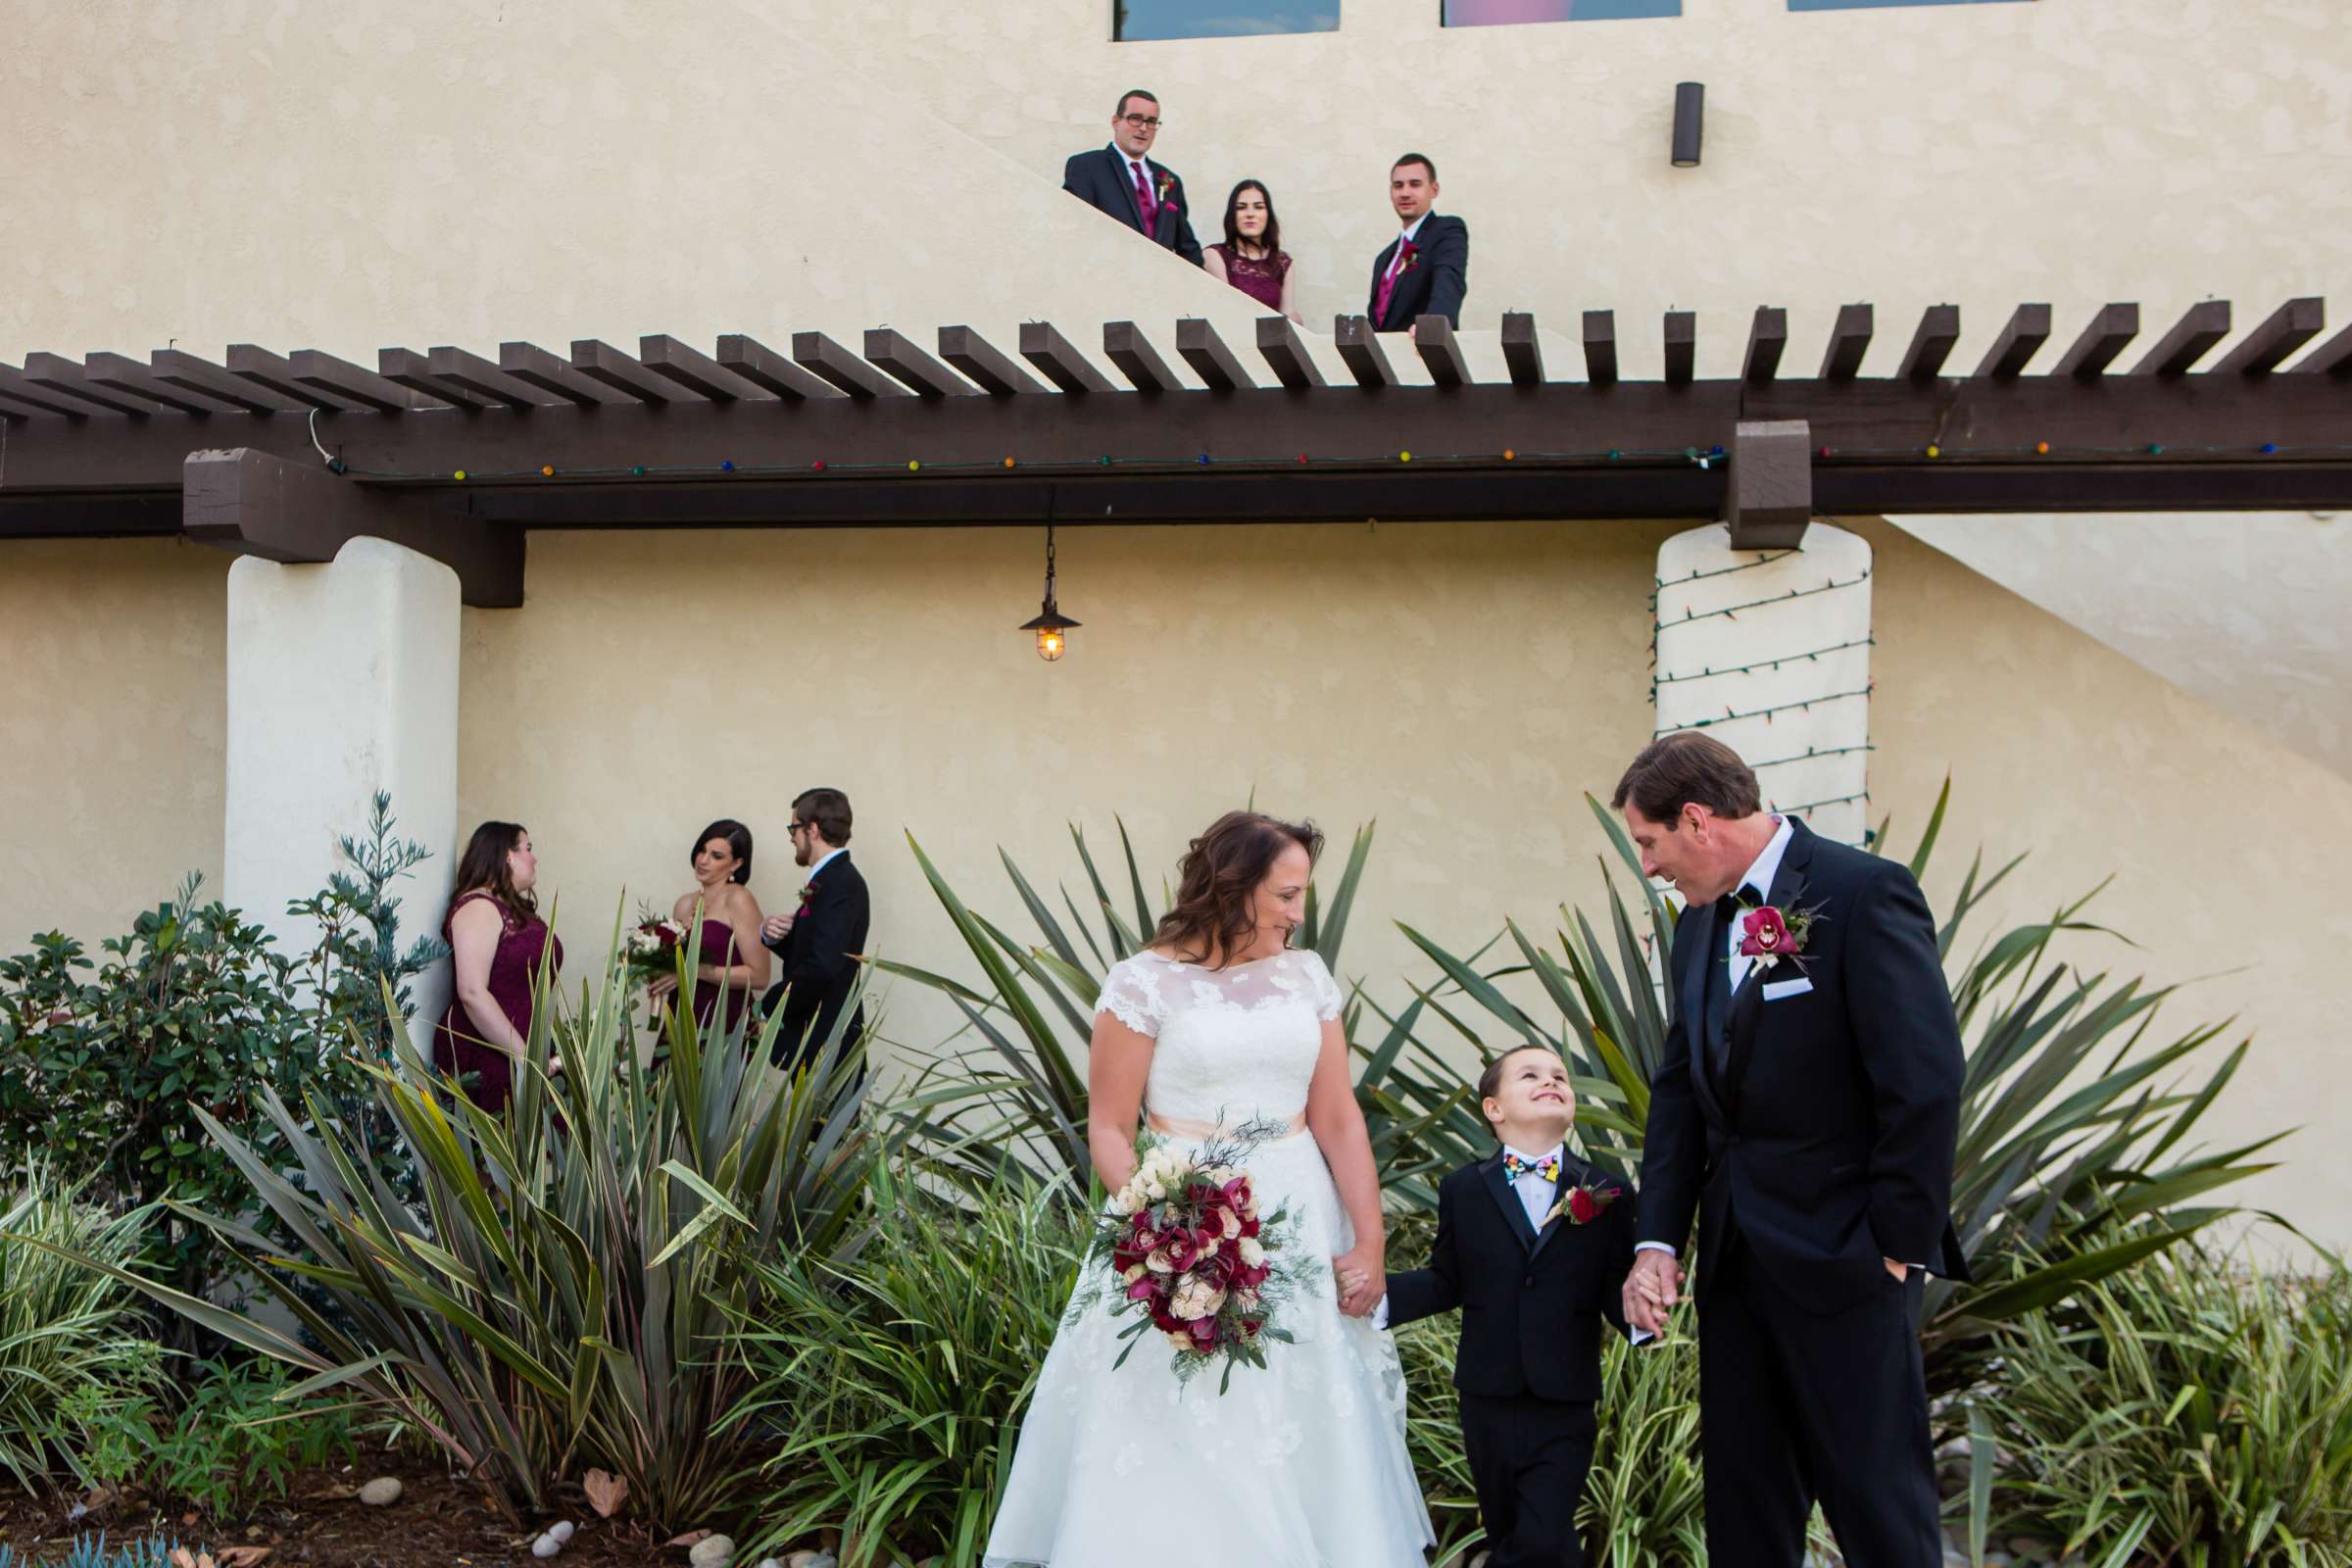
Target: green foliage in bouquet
x=567 y=1294
x=2075 y=1114
x=71 y=1355
x=2186 y=1410
x=893 y=1386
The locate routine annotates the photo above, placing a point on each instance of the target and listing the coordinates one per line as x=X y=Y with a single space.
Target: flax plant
x=70 y=1348
x=566 y=1293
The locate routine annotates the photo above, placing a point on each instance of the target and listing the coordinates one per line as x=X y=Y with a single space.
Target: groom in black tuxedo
x=1806 y=1114
x=819 y=943
x=1425 y=270
x=1122 y=181
x=1533 y=1245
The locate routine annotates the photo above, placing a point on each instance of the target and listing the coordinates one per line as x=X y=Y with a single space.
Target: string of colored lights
x=1703 y=457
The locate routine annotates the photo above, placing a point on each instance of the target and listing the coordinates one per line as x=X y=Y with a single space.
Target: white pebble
x=546 y=1546
x=712 y=1551
x=562 y=1530
x=380 y=1493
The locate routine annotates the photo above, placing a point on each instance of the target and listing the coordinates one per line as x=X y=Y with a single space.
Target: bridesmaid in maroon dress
x=497 y=942
x=1252 y=258
x=732 y=958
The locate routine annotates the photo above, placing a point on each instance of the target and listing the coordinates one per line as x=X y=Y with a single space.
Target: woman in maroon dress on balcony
x=497 y=943
x=1252 y=258
x=732 y=960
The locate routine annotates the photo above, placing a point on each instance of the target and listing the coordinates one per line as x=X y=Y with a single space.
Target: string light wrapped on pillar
x=1050 y=624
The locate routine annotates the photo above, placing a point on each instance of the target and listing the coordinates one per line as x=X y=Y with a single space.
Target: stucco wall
x=1464 y=685
x=111 y=714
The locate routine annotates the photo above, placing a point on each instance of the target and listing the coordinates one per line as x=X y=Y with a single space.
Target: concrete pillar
x=342 y=680
x=1769 y=651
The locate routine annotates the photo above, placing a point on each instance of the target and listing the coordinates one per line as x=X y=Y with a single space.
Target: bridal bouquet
x=1191 y=1255
x=649 y=949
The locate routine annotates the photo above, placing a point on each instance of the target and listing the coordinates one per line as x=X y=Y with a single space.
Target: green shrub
x=2186 y=1410
x=70 y=1356
x=236 y=1441
x=565 y=1297
x=895 y=1383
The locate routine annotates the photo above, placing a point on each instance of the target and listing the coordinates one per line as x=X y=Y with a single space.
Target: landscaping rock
x=562 y=1530
x=712 y=1551
x=546 y=1545
x=381 y=1492
x=770 y=1562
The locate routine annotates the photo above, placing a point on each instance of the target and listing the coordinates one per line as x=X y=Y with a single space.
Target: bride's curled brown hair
x=1217 y=880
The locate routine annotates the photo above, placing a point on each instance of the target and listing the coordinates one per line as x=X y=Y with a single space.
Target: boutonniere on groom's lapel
x=807 y=894
x=1412 y=258
x=1585 y=1203
x=1767 y=934
x=1168 y=183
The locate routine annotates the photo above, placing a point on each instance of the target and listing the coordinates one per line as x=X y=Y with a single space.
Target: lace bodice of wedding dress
x=1232 y=1044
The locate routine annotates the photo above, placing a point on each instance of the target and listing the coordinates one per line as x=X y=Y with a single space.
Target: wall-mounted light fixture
x=1050 y=624
x=1690 y=121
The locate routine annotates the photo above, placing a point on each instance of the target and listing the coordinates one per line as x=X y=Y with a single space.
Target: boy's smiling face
x=1532 y=1105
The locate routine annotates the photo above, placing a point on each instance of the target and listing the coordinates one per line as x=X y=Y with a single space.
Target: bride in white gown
x=1302 y=1464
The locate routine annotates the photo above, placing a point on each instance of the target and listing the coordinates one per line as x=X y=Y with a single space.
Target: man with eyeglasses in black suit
x=1122 y=181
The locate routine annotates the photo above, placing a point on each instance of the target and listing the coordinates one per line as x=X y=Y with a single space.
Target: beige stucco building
x=2156 y=697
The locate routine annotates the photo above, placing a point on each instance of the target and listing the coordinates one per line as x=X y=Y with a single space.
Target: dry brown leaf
x=182 y=1557
x=242 y=1556
x=332 y=1492
x=688 y=1538
x=606 y=1492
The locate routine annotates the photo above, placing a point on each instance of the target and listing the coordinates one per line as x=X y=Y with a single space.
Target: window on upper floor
x=1493 y=13
x=1134 y=20
x=1880 y=5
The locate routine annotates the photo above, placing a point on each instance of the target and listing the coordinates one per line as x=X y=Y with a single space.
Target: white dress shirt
x=827 y=861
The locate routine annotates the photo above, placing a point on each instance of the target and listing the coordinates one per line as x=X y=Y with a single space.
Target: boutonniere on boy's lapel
x=1767 y=934
x=1586 y=1202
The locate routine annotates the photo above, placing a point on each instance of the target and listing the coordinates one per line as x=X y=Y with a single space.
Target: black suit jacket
x=1434 y=285
x=1531 y=1302
x=1829 y=1141
x=1102 y=179
x=821 y=963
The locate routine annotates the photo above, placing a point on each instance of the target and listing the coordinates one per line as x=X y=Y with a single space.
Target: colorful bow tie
x=1514 y=1167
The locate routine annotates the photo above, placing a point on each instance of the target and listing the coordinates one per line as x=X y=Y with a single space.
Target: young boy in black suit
x=1534 y=1246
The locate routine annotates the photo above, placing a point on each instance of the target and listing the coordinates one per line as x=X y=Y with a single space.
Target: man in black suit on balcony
x=1425 y=270
x=1121 y=180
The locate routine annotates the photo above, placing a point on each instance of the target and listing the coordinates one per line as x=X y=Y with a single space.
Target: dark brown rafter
x=745 y=437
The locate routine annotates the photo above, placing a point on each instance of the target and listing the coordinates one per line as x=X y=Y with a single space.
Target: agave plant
x=1020 y=1096
x=567 y=1294
x=2069 y=1126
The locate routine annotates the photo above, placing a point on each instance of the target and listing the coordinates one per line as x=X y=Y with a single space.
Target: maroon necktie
x=1144 y=202
x=1388 y=282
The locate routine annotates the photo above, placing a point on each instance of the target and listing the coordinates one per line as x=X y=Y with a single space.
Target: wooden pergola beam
x=125 y=374
x=356 y=384
x=1433 y=340
x=1522 y=349
x=2331 y=358
x=1199 y=346
x=697 y=371
x=252 y=503
x=1768 y=498
x=764 y=368
x=1849 y=341
x=896 y=355
x=2108 y=331
x=220 y=384
x=550 y=372
x=983 y=364
x=1601 y=348
x=15 y=384
x=1055 y=359
x=820 y=356
x=1681 y=347
x=61 y=376
x=1285 y=351
x=452 y=367
x=1125 y=346
x=2191 y=338
x=2028 y=330
x=1931 y=344
x=1359 y=349
x=2266 y=348
x=274 y=374
x=1767 y=339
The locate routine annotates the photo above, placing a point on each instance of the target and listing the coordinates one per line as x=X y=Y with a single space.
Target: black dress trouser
x=1528 y=1458
x=1797 y=1407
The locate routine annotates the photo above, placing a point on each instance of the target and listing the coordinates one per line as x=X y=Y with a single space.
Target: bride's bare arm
x=1338 y=1124
x=1115 y=1069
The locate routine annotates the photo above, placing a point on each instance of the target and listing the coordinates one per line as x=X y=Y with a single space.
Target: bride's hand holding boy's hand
x=1363 y=1277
